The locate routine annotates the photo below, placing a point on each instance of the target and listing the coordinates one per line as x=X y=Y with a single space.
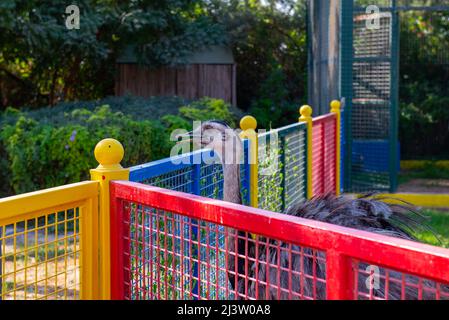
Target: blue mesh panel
x=200 y=179
x=178 y=180
x=211 y=181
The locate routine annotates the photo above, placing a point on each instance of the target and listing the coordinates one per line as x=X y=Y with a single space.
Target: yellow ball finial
x=306 y=111
x=248 y=122
x=335 y=106
x=109 y=153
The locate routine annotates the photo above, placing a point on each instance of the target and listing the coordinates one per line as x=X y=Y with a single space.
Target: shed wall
x=191 y=82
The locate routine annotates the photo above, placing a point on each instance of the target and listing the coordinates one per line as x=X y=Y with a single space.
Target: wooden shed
x=210 y=73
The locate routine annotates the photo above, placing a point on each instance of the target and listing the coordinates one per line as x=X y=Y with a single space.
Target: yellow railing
x=49 y=243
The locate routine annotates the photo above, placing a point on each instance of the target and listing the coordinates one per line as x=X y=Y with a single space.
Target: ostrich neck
x=231 y=188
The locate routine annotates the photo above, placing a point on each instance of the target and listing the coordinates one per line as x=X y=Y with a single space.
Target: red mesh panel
x=170 y=245
x=173 y=257
x=324 y=154
x=372 y=282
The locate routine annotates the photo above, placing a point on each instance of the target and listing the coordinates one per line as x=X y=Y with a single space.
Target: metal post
x=306 y=116
x=247 y=179
x=335 y=108
x=248 y=125
x=339 y=276
x=109 y=153
x=346 y=89
x=283 y=171
x=394 y=99
x=1 y=264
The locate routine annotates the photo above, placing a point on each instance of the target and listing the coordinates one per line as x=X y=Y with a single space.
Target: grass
x=429 y=172
x=439 y=222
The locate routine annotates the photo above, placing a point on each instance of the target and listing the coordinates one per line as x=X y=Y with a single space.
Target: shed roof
x=211 y=55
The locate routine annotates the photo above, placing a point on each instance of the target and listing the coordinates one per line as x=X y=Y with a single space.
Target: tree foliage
x=269 y=43
x=42 y=62
x=424 y=91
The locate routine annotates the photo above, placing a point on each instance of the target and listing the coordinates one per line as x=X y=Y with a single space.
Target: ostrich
x=365 y=213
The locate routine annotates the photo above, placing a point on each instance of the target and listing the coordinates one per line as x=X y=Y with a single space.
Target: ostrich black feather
x=365 y=213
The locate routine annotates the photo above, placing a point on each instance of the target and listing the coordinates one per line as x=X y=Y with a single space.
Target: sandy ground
x=425 y=186
x=30 y=276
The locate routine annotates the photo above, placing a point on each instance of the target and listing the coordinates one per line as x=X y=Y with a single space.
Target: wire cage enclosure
x=372 y=51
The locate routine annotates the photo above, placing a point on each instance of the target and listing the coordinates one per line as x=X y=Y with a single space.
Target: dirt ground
x=41 y=268
x=425 y=186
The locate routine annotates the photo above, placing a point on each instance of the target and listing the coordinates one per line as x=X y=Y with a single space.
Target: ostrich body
x=365 y=213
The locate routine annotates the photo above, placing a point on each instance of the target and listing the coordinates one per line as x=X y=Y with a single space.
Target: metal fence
x=324 y=158
x=47 y=247
x=53 y=242
x=190 y=173
x=284 y=257
x=282 y=178
x=369 y=86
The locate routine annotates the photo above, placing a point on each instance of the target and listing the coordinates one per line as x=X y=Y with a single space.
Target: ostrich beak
x=189 y=137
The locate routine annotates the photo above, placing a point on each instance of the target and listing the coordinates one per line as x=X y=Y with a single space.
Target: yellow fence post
x=248 y=124
x=109 y=153
x=306 y=116
x=335 y=108
x=89 y=250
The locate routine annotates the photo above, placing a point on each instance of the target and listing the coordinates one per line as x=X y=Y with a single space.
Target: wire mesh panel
x=264 y=255
x=40 y=257
x=162 y=261
x=282 y=167
x=170 y=256
x=295 y=166
x=324 y=159
x=190 y=173
x=48 y=253
x=211 y=180
x=372 y=282
x=372 y=113
x=178 y=179
x=270 y=173
x=369 y=85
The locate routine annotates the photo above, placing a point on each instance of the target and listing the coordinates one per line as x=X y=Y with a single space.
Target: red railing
x=171 y=245
x=324 y=154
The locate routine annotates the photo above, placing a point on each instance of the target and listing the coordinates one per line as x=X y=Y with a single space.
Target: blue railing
x=189 y=173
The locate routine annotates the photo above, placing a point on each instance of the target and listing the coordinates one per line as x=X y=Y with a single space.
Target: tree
x=42 y=62
x=424 y=93
x=270 y=47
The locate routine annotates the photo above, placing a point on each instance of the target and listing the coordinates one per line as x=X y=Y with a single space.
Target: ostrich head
x=227 y=145
x=222 y=139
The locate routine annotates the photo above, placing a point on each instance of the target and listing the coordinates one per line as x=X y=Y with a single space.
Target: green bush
x=54 y=146
x=423 y=128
